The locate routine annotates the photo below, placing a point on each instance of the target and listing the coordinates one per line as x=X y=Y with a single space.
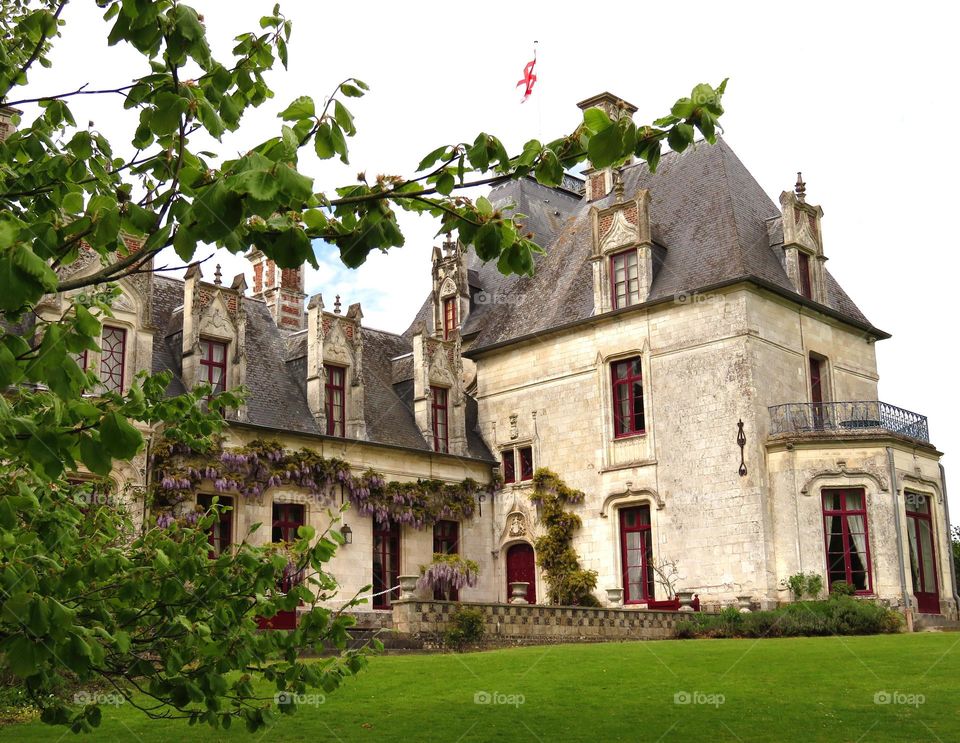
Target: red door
x=521 y=566
x=287 y=518
x=923 y=563
x=386 y=564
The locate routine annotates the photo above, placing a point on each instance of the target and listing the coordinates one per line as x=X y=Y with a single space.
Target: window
x=287 y=518
x=439 y=404
x=624 y=276
x=845 y=534
x=806 y=285
x=81 y=359
x=220 y=534
x=113 y=349
x=627 y=398
x=449 y=317
x=923 y=553
x=446 y=541
x=213 y=365
x=386 y=563
x=509 y=466
x=335 y=390
x=526 y=462
x=636 y=545
x=816 y=391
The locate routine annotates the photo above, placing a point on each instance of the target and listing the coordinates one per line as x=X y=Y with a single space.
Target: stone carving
x=842 y=471
x=514 y=430
x=516 y=525
x=621 y=232
x=335 y=346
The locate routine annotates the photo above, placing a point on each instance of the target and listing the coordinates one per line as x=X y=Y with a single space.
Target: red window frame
x=113 y=360
x=449 y=317
x=526 y=462
x=842 y=539
x=441 y=419
x=806 y=284
x=386 y=570
x=446 y=541
x=509 y=466
x=640 y=515
x=220 y=533
x=624 y=390
x=287 y=518
x=335 y=391
x=208 y=365
x=625 y=261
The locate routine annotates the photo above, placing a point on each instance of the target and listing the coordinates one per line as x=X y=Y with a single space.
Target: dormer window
x=625 y=278
x=335 y=400
x=440 y=419
x=449 y=317
x=213 y=365
x=806 y=281
x=113 y=350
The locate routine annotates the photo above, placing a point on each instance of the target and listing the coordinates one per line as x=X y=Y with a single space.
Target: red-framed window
x=449 y=317
x=525 y=454
x=847 y=538
x=816 y=379
x=287 y=518
x=625 y=278
x=636 y=553
x=446 y=541
x=386 y=563
x=509 y=466
x=628 y=397
x=213 y=365
x=220 y=534
x=335 y=399
x=806 y=284
x=438 y=403
x=113 y=353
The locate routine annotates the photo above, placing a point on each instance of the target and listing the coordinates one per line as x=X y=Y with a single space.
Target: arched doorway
x=521 y=566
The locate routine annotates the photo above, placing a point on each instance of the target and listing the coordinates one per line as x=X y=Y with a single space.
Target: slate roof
x=711 y=223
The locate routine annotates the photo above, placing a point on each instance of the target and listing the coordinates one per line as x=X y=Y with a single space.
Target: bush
x=466 y=628
x=842 y=588
x=805 y=585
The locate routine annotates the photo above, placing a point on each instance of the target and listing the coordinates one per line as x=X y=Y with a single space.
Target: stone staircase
x=934 y=623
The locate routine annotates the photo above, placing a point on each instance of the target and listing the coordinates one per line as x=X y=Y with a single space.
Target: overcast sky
x=862 y=97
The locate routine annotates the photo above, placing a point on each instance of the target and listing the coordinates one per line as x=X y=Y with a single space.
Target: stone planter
x=686 y=600
x=615 y=596
x=518 y=592
x=408 y=587
x=744 y=602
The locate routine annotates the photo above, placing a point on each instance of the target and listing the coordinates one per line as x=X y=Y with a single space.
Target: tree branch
x=79 y=91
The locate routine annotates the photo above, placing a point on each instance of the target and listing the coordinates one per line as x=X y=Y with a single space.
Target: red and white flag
x=528 y=77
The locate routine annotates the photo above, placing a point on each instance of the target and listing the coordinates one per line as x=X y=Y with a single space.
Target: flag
x=528 y=77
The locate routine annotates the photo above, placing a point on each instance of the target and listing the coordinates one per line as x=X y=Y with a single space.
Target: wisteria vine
x=251 y=470
x=448 y=572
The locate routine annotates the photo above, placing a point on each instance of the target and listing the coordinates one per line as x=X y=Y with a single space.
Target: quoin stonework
x=682 y=355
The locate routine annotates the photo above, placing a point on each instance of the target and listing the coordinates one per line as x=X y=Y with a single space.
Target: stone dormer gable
x=214 y=313
x=438 y=388
x=803 y=243
x=451 y=289
x=335 y=361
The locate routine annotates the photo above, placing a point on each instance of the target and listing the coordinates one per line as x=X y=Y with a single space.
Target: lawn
x=817 y=689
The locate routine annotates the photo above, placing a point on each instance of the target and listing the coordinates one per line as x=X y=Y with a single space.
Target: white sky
x=859 y=96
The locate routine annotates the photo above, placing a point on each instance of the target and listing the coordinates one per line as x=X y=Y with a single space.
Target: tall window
x=845 y=534
x=624 y=275
x=627 y=398
x=636 y=546
x=446 y=541
x=526 y=462
x=220 y=534
x=509 y=466
x=287 y=518
x=440 y=416
x=806 y=285
x=449 y=317
x=113 y=351
x=213 y=365
x=386 y=563
x=335 y=391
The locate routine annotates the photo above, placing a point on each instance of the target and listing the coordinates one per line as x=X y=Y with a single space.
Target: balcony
x=867 y=416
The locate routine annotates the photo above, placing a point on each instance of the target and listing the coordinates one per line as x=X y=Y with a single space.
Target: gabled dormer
x=451 y=289
x=803 y=243
x=439 y=401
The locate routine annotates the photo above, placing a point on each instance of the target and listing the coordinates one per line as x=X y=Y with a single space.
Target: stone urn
x=615 y=596
x=518 y=592
x=408 y=587
x=744 y=603
x=686 y=600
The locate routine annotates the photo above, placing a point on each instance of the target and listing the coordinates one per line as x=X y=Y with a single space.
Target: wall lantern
x=347 y=533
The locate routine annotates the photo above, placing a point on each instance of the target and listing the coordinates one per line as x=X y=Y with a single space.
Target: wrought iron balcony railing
x=844 y=417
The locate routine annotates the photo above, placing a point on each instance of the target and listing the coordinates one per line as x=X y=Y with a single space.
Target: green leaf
x=679 y=137
x=86 y=322
x=484 y=206
x=596 y=120
x=350 y=91
x=549 y=172
x=605 y=148
x=94 y=455
x=432 y=158
x=260 y=184
x=445 y=183
x=296 y=186
x=72 y=202
x=342 y=116
x=323 y=142
x=120 y=439
x=301 y=108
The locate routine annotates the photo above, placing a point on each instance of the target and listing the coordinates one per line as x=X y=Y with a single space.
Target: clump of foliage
x=805 y=585
x=569 y=584
x=466 y=628
x=842 y=615
x=447 y=573
x=842 y=588
x=955 y=550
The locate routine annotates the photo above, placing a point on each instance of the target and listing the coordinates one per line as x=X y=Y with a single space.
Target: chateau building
x=682 y=355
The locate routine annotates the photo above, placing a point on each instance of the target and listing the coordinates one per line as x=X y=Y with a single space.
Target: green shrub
x=805 y=585
x=466 y=628
x=842 y=588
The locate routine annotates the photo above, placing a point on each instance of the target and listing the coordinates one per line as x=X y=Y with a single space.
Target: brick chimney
x=281 y=289
x=600 y=182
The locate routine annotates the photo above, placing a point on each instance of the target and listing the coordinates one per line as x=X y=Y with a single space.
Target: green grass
x=819 y=689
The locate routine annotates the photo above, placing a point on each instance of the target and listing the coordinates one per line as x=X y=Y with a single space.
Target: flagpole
x=539 y=101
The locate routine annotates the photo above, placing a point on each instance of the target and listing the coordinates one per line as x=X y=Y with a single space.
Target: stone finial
x=336 y=305
x=217 y=276
x=800 y=189
x=193 y=271
x=449 y=245
x=239 y=283
x=354 y=312
x=618 y=184
x=315 y=301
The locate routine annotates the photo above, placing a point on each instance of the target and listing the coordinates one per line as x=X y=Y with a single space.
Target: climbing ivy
x=262 y=464
x=570 y=585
